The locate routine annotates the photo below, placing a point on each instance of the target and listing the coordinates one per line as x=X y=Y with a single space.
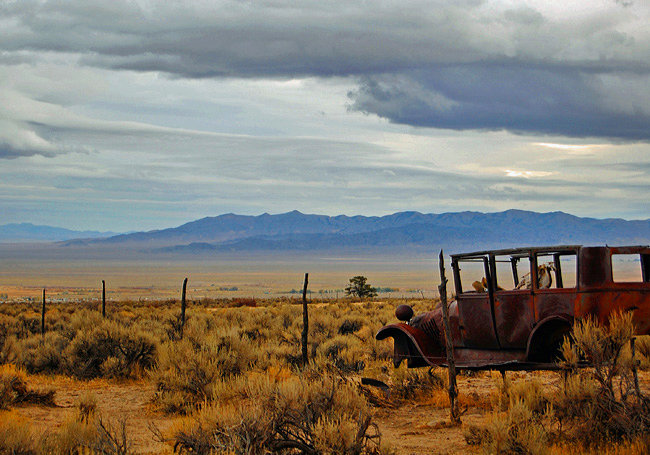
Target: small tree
x=359 y=288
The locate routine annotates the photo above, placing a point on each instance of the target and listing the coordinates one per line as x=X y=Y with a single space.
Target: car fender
x=413 y=345
x=546 y=333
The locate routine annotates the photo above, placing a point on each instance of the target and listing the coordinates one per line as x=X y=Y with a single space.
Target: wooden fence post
x=103 y=298
x=43 y=316
x=305 y=322
x=635 y=375
x=183 y=306
x=453 y=389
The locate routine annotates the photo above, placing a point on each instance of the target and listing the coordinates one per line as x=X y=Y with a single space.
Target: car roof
x=526 y=251
x=519 y=252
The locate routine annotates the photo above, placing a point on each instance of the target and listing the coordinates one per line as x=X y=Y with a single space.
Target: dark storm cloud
x=460 y=65
x=520 y=99
x=241 y=39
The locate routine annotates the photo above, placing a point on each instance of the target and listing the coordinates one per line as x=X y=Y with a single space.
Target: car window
x=472 y=275
x=506 y=278
x=569 y=270
x=626 y=268
x=557 y=270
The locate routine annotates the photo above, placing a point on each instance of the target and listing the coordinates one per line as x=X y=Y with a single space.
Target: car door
x=476 y=323
x=514 y=310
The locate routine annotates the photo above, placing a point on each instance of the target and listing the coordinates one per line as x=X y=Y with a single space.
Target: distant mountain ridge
x=402 y=230
x=28 y=232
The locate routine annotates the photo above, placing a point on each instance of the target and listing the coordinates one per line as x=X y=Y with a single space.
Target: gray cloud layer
x=535 y=68
x=503 y=96
x=144 y=176
x=119 y=116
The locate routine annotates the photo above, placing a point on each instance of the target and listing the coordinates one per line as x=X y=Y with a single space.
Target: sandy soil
x=422 y=426
x=412 y=428
x=115 y=400
x=416 y=427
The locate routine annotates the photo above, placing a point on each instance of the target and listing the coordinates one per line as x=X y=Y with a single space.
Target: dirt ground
x=421 y=429
x=115 y=400
x=416 y=427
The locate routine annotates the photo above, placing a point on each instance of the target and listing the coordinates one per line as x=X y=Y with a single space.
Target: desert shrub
x=349 y=326
x=522 y=429
x=14 y=389
x=38 y=354
x=595 y=407
x=321 y=326
x=111 y=437
x=377 y=350
x=7 y=332
x=69 y=326
x=287 y=355
x=240 y=302
x=110 y=349
x=320 y=415
x=12 y=384
x=27 y=323
x=613 y=408
x=87 y=346
x=345 y=354
x=173 y=326
x=184 y=376
x=187 y=370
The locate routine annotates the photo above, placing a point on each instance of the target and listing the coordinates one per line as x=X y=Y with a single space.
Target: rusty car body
x=509 y=325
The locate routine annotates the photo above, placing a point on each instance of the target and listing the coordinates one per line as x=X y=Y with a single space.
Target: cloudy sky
x=128 y=115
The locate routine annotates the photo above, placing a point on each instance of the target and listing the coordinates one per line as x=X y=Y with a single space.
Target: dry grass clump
x=314 y=415
x=94 y=435
x=86 y=406
x=412 y=384
x=15 y=436
x=593 y=408
x=636 y=446
x=521 y=429
x=85 y=432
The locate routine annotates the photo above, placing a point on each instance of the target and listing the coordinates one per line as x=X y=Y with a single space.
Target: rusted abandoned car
x=516 y=315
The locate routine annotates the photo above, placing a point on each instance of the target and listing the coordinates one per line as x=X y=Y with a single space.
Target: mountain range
x=404 y=230
x=28 y=232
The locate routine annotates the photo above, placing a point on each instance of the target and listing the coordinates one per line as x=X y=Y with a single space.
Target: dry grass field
x=231 y=381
